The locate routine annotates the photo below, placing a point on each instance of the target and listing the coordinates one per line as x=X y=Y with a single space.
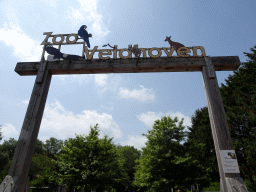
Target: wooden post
x=221 y=136
x=16 y=179
x=18 y=173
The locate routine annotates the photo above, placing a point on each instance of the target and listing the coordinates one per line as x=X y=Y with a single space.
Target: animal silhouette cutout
x=176 y=45
x=84 y=34
x=108 y=45
x=56 y=54
x=135 y=51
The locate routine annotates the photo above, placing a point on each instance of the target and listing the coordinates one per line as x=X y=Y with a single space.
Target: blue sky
x=124 y=105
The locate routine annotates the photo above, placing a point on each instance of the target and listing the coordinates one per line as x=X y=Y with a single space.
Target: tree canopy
x=1 y=133
x=163 y=163
x=87 y=161
x=239 y=98
x=130 y=155
x=52 y=147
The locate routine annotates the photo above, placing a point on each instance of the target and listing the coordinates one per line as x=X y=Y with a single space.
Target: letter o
x=155 y=56
x=74 y=41
x=54 y=39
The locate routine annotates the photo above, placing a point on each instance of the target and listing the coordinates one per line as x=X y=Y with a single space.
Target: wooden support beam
x=134 y=65
x=16 y=179
x=221 y=136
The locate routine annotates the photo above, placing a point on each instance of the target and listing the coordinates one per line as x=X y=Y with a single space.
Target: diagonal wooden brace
x=16 y=180
x=230 y=182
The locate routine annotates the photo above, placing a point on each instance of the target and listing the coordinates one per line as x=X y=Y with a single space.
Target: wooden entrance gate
x=18 y=173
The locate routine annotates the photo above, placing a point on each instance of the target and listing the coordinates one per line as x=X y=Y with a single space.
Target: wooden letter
x=54 y=39
x=89 y=56
x=155 y=56
x=169 y=54
x=183 y=50
x=74 y=41
x=202 y=51
x=48 y=34
x=101 y=53
x=144 y=52
x=129 y=53
x=115 y=52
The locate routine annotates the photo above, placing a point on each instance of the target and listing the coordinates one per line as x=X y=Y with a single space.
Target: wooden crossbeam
x=134 y=65
x=18 y=173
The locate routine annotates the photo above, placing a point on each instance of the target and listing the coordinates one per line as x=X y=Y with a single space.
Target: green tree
x=239 y=98
x=9 y=147
x=88 y=161
x=130 y=154
x=200 y=147
x=41 y=170
x=163 y=164
x=1 y=133
x=39 y=147
x=215 y=186
x=52 y=147
x=7 y=150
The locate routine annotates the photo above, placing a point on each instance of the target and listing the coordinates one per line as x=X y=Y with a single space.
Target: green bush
x=249 y=185
x=213 y=187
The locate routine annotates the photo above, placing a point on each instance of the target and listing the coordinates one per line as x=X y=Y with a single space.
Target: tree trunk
x=85 y=188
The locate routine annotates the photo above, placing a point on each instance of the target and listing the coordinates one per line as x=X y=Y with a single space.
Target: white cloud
x=100 y=79
x=25 y=48
x=108 y=108
x=149 y=118
x=136 y=141
x=83 y=78
x=51 y=3
x=25 y=102
x=107 y=82
x=87 y=11
x=143 y=95
x=8 y=131
x=64 y=124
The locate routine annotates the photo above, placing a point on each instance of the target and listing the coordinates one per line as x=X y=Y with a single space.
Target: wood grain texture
x=210 y=68
x=41 y=71
x=220 y=131
x=7 y=184
x=26 y=143
x=133 y=65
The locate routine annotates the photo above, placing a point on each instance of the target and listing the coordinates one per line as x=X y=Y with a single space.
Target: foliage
x=40 y=166
x=130 y=155
x=7 y=150
x=88 y=161
x=52 y=147
x=1 y=133
x=164 y=163
x=250 y=185
x=5 y=169
x=239 y=98
x=215 y=186
x=200 y=147
x=39 y=147
x=9 y=147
